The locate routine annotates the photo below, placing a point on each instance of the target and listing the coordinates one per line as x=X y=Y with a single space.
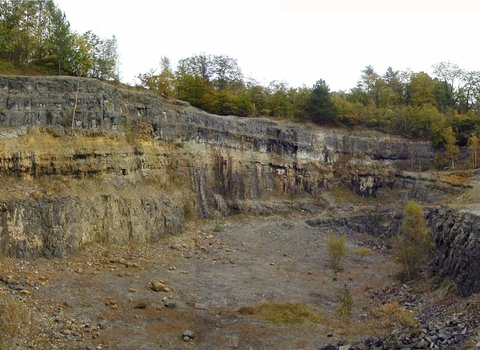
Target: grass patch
x=286 y=313
x=344 y=194
x=13 y=319
x=219 y=227
x=392 y=315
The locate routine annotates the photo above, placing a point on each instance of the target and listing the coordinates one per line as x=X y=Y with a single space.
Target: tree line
x=413 y=104
x=35 y=37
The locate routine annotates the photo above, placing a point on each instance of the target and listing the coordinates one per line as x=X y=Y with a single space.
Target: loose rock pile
x=442 y=327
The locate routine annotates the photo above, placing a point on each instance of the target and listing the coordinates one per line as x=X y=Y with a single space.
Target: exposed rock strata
x=197 y=163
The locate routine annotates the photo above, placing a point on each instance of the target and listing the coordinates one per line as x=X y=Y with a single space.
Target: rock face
x=456 y=235
x=85 y=161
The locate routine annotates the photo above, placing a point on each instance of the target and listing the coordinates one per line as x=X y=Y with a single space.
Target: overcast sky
x=297 y=41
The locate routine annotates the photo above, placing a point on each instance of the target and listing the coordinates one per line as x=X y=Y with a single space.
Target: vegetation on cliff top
x=36 y=38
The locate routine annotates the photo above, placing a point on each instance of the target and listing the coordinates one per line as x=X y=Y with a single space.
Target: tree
x=449 y=74
x=163 y=83
x=320 y=105
x=60 y=40
x=35 y=33
x=197 y=66
x=104 y=56
x=372 y=85
x=393 y=90
x=473 y=145
x=421 y=90
x=469 y=92
x=279 y=102
x=451 y=148
x=226 y=73
x=81 y=61
x=415 y=242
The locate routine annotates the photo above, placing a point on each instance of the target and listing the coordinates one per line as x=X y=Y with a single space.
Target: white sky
x=297 y=41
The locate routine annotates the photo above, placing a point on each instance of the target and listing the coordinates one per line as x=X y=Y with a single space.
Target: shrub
x=337 y=249
x=362 y=252
x=344 y=310
x=218 y=227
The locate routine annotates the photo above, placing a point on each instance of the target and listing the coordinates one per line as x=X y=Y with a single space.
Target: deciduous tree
x=414 y=243
x=473 y=146
x=451 y=148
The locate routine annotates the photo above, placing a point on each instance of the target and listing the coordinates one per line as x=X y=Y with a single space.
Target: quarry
x=133 y=221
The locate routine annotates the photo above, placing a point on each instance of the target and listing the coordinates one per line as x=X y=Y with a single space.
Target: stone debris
x=158 y=286
x=188 y=335
x=438 y=328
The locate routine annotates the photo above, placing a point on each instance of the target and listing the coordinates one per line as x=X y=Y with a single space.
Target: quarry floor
x=102 y=298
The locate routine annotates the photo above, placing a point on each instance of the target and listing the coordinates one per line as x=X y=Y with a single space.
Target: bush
x=344 y=310
x=337 y=249
x=362 y=252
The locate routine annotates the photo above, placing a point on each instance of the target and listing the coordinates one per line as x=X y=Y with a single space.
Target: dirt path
x=101 y=298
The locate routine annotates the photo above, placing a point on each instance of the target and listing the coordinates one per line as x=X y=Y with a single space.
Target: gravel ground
x=104 y=298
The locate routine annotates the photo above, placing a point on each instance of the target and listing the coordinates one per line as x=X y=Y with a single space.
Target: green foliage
x=320 y=107
x=337 y=250
x=163 y=83
x=344 y=310
x=35 y=36
x=415 y=243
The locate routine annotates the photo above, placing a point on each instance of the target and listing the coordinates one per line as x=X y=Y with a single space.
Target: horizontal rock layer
x=184 y=162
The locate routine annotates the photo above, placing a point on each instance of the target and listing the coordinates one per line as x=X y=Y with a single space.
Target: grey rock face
x=196 y=164
x=456 y=235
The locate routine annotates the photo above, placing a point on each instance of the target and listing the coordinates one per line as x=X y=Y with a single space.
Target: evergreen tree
x=320 y=106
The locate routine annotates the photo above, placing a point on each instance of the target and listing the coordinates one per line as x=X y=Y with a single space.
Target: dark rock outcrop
x=456 y=235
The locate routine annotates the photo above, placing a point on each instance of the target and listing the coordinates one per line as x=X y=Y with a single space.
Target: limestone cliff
x=82 y=161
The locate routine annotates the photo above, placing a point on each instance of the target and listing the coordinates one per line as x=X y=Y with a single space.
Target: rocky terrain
x=130 y=221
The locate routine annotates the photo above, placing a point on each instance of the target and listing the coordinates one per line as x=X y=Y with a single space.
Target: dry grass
x=454 y=178
x=362 y=252
x=345 y=195
x=14 y=318
x=392 y=315
x=286 y=313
